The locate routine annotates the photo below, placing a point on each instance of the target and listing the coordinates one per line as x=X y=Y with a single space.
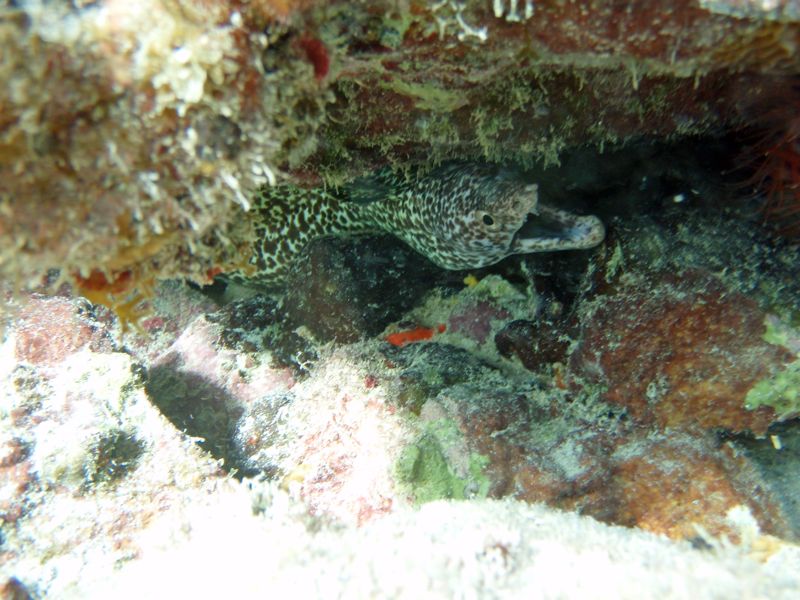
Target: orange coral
x=121 y=292
x=670 y=483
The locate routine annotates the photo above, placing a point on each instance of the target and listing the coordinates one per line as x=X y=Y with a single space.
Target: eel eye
x=487 y=219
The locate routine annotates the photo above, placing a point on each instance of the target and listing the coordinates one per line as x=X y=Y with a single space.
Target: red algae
x=317 y=55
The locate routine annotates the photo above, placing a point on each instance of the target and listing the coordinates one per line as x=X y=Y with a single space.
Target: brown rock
x=535 y=344
x=671 y=483
x=348 y=289
x=535 y=453
x=682 y=352
x=678 y=483
x=14 y=589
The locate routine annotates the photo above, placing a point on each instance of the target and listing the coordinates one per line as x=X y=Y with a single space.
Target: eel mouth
x=547 y=228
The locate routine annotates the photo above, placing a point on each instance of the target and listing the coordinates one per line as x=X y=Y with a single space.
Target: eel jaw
x=546 y=229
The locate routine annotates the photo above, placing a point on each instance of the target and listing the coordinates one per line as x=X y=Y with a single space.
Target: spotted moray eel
x=459 y=216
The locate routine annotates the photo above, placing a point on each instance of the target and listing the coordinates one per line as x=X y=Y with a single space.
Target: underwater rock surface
x=649 y=383
x=158 y=439
x=134 y=134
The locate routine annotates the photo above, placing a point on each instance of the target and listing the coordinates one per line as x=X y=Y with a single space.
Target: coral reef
x=87 y=460
x=133 y=135
x=501 y=549
x=381 y=405
x=478 y=84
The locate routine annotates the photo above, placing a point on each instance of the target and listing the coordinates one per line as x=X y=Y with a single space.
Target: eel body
x=460 y=216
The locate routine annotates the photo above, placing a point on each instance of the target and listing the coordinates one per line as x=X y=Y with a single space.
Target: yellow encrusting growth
x=470 y=280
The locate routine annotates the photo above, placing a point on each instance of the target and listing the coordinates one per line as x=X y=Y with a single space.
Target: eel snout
x=547 y=228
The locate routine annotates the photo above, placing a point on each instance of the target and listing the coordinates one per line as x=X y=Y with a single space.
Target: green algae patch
x=615 y=264
x=429 y=97
x=423 y=468
x=427 y=470
x=477 y=466
x=780 y=392
x=778 y=332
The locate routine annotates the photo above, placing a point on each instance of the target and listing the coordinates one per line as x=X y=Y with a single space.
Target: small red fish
x=419 y=334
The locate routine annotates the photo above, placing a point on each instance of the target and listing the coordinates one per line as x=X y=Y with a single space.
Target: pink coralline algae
x=50 y=329
x=478 y=320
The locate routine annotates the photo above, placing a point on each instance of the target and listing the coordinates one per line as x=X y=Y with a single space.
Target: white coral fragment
x=451 y=13
x=513 y=15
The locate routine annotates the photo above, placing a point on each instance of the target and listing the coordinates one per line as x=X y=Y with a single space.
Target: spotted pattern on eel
x=460 y=216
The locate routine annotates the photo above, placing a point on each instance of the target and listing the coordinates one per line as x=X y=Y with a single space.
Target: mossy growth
x=425 y=469
x=778 y=333
x=780 y=392
x=111 y=457
x=412 y=397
